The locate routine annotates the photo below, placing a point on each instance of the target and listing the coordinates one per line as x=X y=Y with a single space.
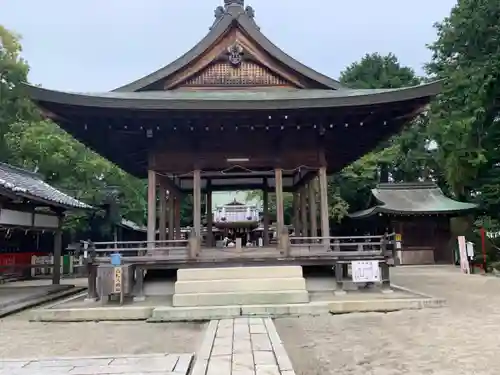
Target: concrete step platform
x=274 y=272
x=240 y=298
x=240 y=285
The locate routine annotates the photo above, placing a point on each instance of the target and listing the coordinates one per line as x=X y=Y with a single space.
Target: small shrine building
x=420 y=214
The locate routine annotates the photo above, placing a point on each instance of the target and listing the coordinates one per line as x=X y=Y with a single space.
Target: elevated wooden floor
x=300 y=251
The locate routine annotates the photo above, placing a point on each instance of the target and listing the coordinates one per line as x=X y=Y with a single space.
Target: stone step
x=240 y=285
x=240 y=298
x=265 y=272
x=204 y=313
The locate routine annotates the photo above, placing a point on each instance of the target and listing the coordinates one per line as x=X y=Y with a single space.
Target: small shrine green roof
x=412 y=199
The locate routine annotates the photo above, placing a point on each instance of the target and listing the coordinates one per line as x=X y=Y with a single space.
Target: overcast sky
x=97 y=45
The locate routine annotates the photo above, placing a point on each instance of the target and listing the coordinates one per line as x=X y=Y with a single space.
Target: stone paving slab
x=14 y=298
x=242 y=346
x=153 y=364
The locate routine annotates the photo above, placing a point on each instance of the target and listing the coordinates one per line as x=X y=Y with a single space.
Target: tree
x=375 y=71
x=13 y=71
x=465 y=120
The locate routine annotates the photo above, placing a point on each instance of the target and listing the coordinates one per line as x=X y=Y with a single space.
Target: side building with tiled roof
x=420 y=215
x=31 y=216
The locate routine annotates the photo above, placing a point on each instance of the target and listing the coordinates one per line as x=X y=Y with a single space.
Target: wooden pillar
x=278 y=175
x=296 y=215
x=303 y=211
x=210 y=234
x=177 y=215
x=323 y=193
x=162 y=235
x=56 y=272
x=197 y=203
x=171 y=215
x=313 y=208
x=151 y=208
x=265 y=196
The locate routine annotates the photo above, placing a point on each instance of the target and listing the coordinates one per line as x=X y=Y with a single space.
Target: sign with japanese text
x=365 y=271
x=117 y=285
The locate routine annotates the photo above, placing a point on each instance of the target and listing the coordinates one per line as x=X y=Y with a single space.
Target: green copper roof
x=412 y=199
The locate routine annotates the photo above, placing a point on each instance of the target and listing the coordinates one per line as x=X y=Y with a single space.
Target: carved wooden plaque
x=223 y=73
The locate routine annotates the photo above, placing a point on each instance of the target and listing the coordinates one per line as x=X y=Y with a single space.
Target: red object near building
x=17 y=264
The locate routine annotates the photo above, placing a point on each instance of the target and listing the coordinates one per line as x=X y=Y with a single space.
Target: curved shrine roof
x=254 y=99
x=412 y=199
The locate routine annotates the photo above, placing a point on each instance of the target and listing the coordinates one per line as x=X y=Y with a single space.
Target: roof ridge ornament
x=221 y=11
x=234 y=2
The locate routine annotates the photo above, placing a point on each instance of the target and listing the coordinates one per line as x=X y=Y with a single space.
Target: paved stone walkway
x=151 y=364
x=242 y=346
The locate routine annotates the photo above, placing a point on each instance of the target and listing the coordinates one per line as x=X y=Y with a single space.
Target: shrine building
x=235 y=112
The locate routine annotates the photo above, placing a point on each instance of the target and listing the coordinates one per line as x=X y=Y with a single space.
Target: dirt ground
x=462 y=338
x=22 y=339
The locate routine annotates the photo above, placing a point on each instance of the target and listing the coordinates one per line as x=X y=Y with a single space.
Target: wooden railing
x=343 y=246
x=181 y=253
x=340 y=246
x=101 y=251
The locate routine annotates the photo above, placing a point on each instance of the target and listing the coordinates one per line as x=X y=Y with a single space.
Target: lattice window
x=246 y=74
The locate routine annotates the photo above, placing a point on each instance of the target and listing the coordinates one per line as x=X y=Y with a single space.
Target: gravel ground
x=459 y=339
x=22 y=339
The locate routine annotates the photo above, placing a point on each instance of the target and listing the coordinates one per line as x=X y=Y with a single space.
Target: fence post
x=139 y=284
x=384 y=266
x=339 y=279
x=89 y=254
x=284 y=243
x=33 y=263
x=193 y=244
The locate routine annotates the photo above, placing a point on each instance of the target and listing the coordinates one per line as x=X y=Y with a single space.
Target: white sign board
x=470 y=249
x=365 y=271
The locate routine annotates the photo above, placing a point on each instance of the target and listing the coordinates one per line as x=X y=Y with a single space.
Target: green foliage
x=464 y=119
x=375 y=71
x=13 y=71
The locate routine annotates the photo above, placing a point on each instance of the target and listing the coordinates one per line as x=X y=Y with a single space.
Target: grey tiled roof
x=32 y=186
